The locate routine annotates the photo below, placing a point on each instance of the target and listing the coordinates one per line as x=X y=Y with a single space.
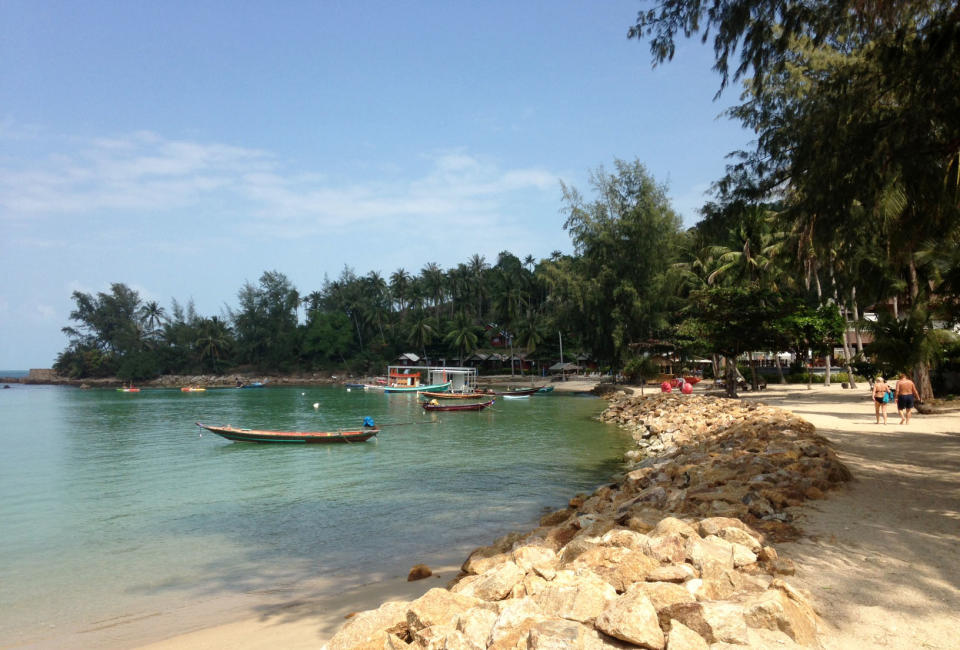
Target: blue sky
x=185 y=148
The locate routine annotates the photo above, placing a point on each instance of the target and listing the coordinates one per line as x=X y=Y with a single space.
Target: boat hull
x=292 y=437
x=520 y=391
x=456 y=407
x=431 y=395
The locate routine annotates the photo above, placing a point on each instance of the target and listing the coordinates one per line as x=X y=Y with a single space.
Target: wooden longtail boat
x=432 y=395
x=519 y=391
x=479 y=406
x=257 y=435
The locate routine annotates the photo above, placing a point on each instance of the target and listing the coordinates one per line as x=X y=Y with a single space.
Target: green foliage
x=612 y=292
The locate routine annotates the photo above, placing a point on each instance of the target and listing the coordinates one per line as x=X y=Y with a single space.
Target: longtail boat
x=418 y=389
x=479 y=406
x=432 y=395
x=519 y=391
x=257 y=435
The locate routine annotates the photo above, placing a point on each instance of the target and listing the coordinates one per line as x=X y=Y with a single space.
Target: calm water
x=113 y=505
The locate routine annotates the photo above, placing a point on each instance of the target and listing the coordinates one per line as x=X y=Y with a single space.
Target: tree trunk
x=846 y=353
x=856 y=319
x=826 y=377
x=715 y=363
x=753 y=372
x=730 y=375
x=921 y=377
x=776 y=360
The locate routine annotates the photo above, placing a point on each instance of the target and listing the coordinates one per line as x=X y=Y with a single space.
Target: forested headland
x=848 y=203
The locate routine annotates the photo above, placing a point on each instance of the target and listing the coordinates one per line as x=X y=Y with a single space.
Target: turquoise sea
x=114 y=507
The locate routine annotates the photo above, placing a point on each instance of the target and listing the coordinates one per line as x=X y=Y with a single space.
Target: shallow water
x=114 y=505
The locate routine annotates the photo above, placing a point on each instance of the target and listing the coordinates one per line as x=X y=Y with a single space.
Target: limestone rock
x=714 y=621
x=443 y=637
x=581 y=599
x=513 y=615
x=673 y=573
x=682 y=637
x=476 y=624
x=632 y=618
x=495 y=583
x=541 y=559
x=664 y=594
x=437 y=607
x=388 y=618
x=775 y=610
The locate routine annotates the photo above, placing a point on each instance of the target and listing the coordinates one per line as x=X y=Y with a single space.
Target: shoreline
x=829 y=557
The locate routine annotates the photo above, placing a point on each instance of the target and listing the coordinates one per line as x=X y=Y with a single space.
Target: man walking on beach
x=906 y=396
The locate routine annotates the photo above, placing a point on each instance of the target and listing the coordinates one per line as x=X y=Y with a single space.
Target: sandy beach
x=878 y=555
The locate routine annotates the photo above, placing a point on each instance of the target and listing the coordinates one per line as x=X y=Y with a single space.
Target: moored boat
x=519 y=391
x=436 y=395
x=418 y=389
x=192 y=389
x=128 y=390
x=516 y=396
x=545 y=389
x=259 y=435
x=436 y=406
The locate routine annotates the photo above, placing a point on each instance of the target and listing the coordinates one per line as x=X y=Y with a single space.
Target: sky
x=185 y=148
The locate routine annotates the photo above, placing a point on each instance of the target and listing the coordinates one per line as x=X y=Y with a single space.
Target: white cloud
x=145 y=174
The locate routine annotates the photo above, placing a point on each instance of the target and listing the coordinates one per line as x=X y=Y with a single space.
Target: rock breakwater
x=675 y=554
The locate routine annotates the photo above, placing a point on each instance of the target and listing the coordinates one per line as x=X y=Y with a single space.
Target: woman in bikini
x=880 y=389
x=907 y=396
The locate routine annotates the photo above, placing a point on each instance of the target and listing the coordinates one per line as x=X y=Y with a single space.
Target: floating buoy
x=348 y=390
x=316 y=405
x=303 y=393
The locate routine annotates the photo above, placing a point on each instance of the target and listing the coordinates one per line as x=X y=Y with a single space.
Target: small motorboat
x=434 y=405
x=545 y=389
x=516 y=397
x=260 y=435
x=128 y=390
x=193 y=389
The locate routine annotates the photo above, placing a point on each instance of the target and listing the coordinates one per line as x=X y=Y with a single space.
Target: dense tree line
x=849 y=201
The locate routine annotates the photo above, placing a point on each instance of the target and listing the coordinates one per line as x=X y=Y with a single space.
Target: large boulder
x=682 y=637
x=389 y=618
x=714 y=621
x=632 y=618
x=476 y=624
x=495 y=583
x=438 y=607
x=575 y=597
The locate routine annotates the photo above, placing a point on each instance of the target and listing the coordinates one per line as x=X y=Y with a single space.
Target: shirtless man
x=906 y=396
